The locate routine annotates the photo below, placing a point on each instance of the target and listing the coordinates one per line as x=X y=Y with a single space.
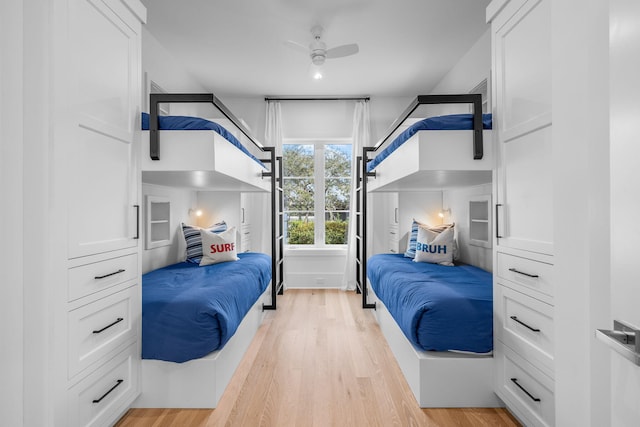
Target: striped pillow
x=413 y=236
x=193 y=239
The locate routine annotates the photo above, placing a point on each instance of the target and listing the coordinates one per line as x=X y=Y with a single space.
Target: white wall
x=25 y=290
x=11 y=222
x=161 y=67
x=423 y=206
x=580 y=98
x=320 y=118
x=314 y=268
x=470 y=70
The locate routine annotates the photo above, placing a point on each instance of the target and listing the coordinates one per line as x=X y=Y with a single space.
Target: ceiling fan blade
x=344 y=50
x=297 y=46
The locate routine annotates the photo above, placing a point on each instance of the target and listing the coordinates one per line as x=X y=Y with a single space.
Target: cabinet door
x=522 y=62
x=97 y=137
x=392 y=206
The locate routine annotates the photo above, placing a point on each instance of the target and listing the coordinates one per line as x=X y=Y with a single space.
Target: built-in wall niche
x=158 y=221
x=480 y=221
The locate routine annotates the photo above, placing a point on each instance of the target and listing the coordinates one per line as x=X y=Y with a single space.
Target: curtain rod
x=319 y=98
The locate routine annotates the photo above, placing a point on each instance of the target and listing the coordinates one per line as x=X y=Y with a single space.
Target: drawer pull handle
x=107 y=393
x=118 y=320
x=524 y=324
x=392 y=251
x=110 y=274
x=392 y=232
x=498 y=206
x=523 y=273
x=137 y=221
x=515 y=381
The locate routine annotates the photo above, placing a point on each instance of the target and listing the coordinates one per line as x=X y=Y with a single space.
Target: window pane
x=297 y=160
x=299 y=228
x=336 y=194
x=335 y=227
x=299 y=190
x=337 y=172
x=337 y=160
x=298 y=194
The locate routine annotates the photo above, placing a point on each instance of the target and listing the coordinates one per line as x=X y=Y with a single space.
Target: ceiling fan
x=317 y=49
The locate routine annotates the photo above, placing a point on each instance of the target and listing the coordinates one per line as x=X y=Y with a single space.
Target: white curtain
x=361 y=134
x=273 y=126
x=273 y=138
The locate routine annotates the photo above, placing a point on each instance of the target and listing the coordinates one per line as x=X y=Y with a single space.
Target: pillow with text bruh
x=218 y=247
x=413 y=236
x=433 y=247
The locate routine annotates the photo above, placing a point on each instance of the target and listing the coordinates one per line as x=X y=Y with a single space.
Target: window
x=317 y=185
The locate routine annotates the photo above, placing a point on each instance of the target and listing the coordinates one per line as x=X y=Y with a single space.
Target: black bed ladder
x=277 y=237
x=361 y=229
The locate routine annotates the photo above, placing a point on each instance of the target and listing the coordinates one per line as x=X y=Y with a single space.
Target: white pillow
x=190 y=242
x=218 y=247
x=435 y=247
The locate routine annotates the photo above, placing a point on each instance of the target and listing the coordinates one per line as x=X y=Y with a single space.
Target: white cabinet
x=246 y=207
x=521 y=45
x=96 y=82
x=393 y=221
x=99 y=86
x=523 y=193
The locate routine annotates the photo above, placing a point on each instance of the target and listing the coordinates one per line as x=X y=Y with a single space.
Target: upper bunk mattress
x=438 y=308
x=448 y=122
x=196 y=123
x=189 y=311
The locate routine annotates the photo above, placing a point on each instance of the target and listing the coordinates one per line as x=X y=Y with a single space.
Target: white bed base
x=199 y=383
x=438 y=379
x=201 y=159
x=436 y=159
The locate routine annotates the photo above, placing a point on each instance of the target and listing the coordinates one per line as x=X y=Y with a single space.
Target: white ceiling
x=237 y=47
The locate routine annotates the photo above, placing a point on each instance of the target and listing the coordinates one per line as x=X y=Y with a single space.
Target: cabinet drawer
x=394 y=239
x=526 y=272
x=245 y=238
x=90 y=278
x=526 y=325
x=100 y=397
x=96 y=329
x=526 y=390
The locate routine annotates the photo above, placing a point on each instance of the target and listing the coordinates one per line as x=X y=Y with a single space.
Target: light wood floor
x=318 y=360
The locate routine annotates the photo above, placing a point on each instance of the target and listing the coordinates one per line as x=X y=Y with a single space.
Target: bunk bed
x=199 y=316
x=436 y=318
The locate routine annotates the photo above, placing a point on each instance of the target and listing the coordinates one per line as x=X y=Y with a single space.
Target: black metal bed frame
x=362 y=175
x=275 y=173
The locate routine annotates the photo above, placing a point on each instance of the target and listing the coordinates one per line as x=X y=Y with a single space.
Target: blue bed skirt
x=438 y=308
x=197 y=123
x=189 y=311
x=449 y=122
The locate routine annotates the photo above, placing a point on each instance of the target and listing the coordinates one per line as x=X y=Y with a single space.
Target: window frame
x=319 y=145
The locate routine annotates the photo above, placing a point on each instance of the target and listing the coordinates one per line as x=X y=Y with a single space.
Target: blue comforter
x=437 y=307
x=449 y=122
x=189 y=311
x=196 y=123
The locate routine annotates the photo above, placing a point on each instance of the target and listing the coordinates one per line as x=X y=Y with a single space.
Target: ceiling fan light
x=316 y=72
x=317 y=58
